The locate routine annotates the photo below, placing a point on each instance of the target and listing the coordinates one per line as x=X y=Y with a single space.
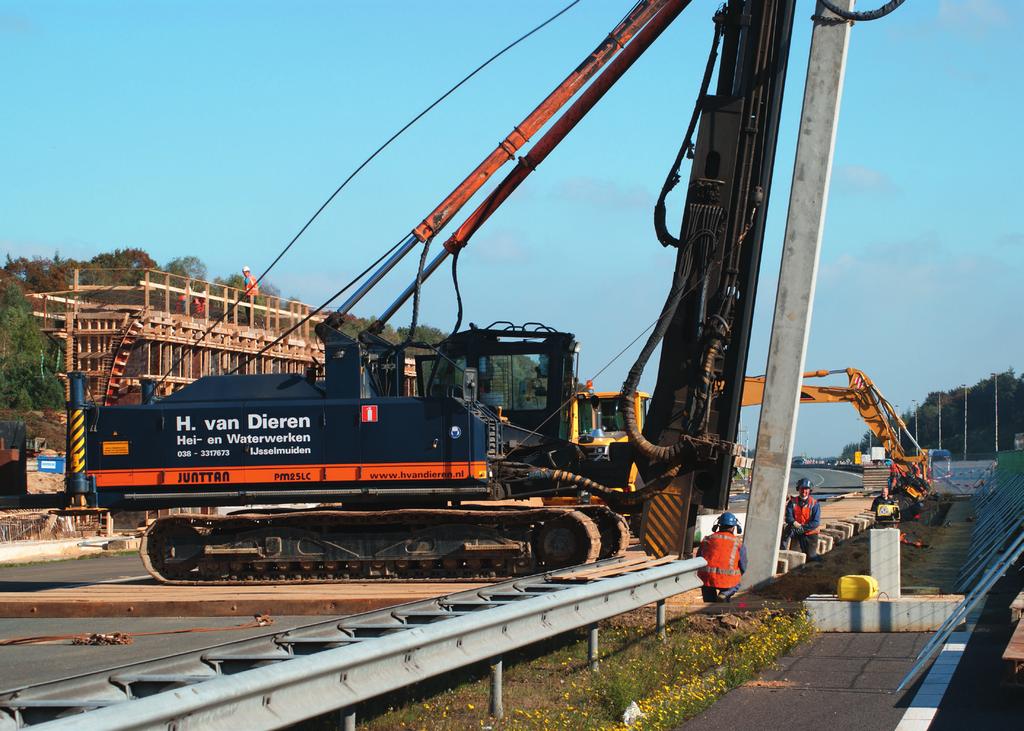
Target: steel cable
x=359 y=168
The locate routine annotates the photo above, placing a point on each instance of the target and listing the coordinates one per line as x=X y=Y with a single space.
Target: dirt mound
x=50 y=425
x=851 y=557
x=40 y=482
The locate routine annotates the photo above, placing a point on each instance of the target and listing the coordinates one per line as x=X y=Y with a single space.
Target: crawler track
x=324 y=546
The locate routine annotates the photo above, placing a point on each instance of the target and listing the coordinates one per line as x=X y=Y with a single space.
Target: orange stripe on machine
x=383 y=472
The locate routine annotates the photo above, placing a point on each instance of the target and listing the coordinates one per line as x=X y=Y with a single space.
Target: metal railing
x=997 y=541
x=282 y=678
x=998 y=510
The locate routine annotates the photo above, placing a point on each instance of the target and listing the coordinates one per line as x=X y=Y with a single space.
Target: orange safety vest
x=722 y=552
x=802 y=513
x=252 y=288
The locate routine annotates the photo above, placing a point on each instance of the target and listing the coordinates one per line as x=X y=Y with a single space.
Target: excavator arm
x=861 y=393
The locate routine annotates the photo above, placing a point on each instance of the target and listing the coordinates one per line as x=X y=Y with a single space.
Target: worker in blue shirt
x=803 y=521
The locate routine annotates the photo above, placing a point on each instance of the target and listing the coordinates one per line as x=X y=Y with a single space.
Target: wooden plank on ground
x=845 y=508
x=1017 y=607
x=154 y=600
x=1013 y=655
x=634 y=562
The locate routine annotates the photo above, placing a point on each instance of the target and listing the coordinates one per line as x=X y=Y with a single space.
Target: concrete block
x=859 y=524
x=842 y=526
x=782 y=567
x=837 y=536
x=869 y=517
x=793 y=559
x=910 y=614
x=824 y=543
x=884 y=552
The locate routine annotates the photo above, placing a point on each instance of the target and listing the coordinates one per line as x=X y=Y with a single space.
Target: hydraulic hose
x=629 y=386
x=865 y=15
x=706 y=221
x=665 y=238
x=415 y=299
x=616 y=499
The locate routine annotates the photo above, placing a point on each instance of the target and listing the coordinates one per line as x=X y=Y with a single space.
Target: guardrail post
x=348 y=719
x=592 y=647
x=660 y=619
x=497 y=706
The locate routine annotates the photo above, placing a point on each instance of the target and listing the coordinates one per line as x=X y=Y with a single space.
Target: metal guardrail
x=997 y=541
x=998 y=510
x=281 y=678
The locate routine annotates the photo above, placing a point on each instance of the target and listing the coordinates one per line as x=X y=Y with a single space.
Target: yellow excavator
x=880 y=416
x=598 y=422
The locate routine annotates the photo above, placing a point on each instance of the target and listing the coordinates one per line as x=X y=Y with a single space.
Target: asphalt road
x=845 y=681
x=838 y=681
x=975 y=697
x=822 y=477
x=24 y=664
x=51 y=574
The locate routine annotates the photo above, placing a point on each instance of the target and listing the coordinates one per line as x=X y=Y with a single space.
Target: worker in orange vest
x=803 y=521
x=252 y=291
x=727 y=560
x=252 y=287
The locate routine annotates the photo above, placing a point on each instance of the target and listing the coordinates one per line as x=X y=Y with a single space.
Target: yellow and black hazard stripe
x=663 y=524
x=76 y=440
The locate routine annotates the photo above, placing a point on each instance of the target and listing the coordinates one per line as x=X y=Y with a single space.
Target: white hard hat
x=245 y=269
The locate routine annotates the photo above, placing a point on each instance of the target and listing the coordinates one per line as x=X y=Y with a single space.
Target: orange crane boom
x=863 y=395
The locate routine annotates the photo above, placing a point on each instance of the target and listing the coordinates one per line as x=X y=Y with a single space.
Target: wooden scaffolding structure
x=120 y=326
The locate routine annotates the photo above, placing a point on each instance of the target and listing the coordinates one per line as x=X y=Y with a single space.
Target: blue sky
x=216 y=128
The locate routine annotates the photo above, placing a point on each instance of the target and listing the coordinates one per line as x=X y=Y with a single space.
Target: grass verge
x=551 y=687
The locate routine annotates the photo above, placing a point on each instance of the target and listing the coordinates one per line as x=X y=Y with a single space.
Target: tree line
x=30 y=360
x=120 y=266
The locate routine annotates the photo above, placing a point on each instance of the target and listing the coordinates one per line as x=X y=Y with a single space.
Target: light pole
x=995 y=383
x=940 y=420
x=918 y=450
x=965 y=422
x=899 y=430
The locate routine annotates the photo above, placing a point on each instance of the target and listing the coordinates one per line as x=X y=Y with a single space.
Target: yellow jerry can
x=857 y=588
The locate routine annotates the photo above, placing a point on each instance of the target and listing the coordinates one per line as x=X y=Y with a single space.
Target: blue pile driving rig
x=422 y=486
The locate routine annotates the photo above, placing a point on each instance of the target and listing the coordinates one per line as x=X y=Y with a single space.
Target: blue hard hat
x=802 y=483
x=729 y=520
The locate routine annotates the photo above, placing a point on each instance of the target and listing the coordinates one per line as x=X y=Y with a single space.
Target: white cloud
x=858 y=179
x=10 y=23
x=972 y=18
x=604 y=194
x=499 y=247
